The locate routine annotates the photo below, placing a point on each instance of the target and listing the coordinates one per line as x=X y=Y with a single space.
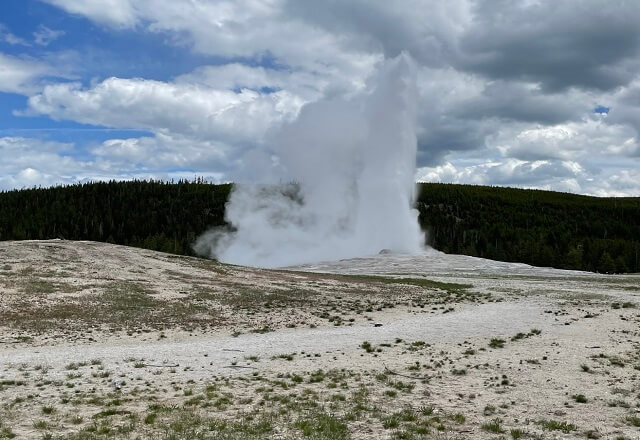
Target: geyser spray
x=353 y=162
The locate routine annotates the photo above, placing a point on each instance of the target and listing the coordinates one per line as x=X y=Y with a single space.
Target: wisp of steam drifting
x=352 y=161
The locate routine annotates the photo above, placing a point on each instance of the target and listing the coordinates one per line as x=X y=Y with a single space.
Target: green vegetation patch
x=129 y=305
x=554 y=425
x=323 y=426
x=420 y=282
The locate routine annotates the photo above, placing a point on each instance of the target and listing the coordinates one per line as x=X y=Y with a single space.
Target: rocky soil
x=108 y=342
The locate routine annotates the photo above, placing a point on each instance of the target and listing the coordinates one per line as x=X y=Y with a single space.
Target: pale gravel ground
x=468 y=323
x=553 y=301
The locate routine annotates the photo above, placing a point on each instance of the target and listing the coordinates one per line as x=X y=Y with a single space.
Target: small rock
x=377 y=324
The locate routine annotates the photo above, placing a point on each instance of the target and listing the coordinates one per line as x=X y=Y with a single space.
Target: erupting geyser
x=353 y=163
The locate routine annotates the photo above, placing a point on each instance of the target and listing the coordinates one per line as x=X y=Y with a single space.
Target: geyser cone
x=354 y=164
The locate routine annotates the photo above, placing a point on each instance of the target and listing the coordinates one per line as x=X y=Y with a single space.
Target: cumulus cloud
x=543 y=174
x=591 y=156
x=506 y=89
x=187 y=109
x=573 y=140
x=231 y=29
x=21 y=74
x=308 y=85
x=558 y=45
x=30 y=162
x=118 y=13
x=164 y=151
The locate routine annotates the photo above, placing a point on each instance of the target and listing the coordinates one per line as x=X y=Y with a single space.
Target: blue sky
x=93 y=53
x=120 y=89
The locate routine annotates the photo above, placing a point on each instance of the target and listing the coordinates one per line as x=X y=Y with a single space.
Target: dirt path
x=476 y=322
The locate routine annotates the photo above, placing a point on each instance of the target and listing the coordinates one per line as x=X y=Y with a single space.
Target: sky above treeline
x=538 y=94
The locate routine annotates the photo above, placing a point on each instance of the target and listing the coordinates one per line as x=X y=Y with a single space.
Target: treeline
x=541 y=228
x=154 y=215
x=536 y=227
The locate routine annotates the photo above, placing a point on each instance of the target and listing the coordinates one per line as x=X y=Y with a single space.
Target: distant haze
x=351 y=161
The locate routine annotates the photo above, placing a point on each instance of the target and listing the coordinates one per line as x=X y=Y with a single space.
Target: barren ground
x=107 y=342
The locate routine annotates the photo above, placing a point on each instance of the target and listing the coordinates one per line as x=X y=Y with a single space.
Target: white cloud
x=118 y=13
x=29 y=162
x=162 y=107
x=233 y=29
x=236 y=76
x=502 y=101
x=43 y=36
x=20 y=74
x=164 y=151
x=555 y=175
x=573 y=140
x=10 y=38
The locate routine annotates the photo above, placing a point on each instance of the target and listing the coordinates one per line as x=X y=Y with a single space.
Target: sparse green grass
x=44 y=369
x=41 y=424
x=323 y=426
x=6 y=432
x=420 y=282
x=366 y=346
x=632 y=420
x=317 y=376
x=554 y=425
x=295 y=378
x=489 y=410
x=285 y=356
x=579 y=398
x=48 y=410
x=74 y=366
x=494 y=426
x=497 y=343
x=130 y=305
x=32 y=286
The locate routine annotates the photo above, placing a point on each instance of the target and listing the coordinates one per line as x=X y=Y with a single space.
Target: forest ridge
x=541 y=228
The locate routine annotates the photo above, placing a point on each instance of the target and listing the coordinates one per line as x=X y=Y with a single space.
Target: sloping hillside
x=99 y=341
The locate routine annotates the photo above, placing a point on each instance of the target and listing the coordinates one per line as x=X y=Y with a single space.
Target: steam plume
x=353 y=164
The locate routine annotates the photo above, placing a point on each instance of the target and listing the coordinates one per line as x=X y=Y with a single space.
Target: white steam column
x=354 y=162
